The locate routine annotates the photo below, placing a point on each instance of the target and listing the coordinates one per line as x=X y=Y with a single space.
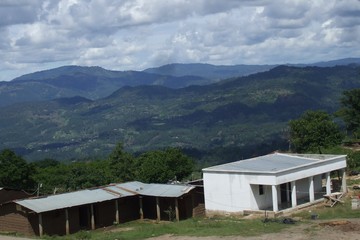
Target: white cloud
x=136 y=34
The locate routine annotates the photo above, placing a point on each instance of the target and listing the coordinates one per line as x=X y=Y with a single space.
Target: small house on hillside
x=99 y=207
x=272 y=182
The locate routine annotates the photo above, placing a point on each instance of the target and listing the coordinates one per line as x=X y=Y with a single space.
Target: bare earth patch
x=325 y=230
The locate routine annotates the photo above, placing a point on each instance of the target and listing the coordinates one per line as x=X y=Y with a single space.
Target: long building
x=100 y=207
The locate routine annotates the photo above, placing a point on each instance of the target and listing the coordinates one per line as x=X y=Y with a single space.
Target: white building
x=271 y=182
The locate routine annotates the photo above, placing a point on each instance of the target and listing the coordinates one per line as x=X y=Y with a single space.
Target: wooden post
x=177 y=210
x=141 y=208
x=67 y=226
x=117 y=218
x=92 y=217
x=192 y=205
x=157 y=209
x=40 y=225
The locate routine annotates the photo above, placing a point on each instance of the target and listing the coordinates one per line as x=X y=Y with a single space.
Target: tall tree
x=161 y=166
x=350 y=111
x=312 y=131
x=14 y=171
x=122 y=164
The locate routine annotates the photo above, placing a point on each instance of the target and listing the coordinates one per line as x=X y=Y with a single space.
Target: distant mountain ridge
x=208 y=71
x=65 y=70
x=226 y=120
x=217 y=72
x=88 y=82
x=96 y=82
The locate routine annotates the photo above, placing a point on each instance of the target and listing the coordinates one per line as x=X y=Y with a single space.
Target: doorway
x=285 y=190
x=84 y=219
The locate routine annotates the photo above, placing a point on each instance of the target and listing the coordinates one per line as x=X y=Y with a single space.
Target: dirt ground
x=324 y=230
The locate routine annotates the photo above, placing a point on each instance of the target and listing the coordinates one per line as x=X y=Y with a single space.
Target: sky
x=138 y=34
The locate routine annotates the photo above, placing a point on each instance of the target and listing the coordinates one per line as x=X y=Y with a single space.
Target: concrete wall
x=260 y=201
x=226 y=192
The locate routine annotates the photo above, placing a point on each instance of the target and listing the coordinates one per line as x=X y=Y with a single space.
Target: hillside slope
x=231 y=119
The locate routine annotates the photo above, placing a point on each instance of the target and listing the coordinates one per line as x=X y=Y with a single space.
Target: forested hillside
x=225 y=121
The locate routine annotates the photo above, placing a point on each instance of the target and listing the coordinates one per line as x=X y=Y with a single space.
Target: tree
x=161 y=166
x=353 y=160
x=68 y=177
x=122 y=164
x=47 y=162
x=350 y=111
x=88 y=174
x=15 y=172
x=54 y=178
x=312 y=131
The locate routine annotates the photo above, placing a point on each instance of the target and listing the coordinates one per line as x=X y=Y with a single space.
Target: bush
x=353 y=160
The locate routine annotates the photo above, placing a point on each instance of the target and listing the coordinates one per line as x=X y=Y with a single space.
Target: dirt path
x=324 y=230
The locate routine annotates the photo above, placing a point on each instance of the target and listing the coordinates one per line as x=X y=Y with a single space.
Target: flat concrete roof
x=273 y=163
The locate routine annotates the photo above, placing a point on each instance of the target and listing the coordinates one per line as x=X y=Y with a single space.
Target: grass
x=351 y=182
x=340 y=210
x=191 y=227
x=198 y=227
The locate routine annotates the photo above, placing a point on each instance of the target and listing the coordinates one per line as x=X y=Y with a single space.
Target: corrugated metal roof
x=114 y=188
x=66 y=200
x=272 y=163
x=110 y=192
x=157 y=190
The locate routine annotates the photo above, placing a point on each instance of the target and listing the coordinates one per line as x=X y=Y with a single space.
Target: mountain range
x=96 y=82
x=71 y=112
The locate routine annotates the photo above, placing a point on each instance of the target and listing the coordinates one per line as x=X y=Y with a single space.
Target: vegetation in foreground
x=190 y=227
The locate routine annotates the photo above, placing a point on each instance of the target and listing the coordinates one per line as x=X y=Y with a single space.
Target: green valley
x=224 y=121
